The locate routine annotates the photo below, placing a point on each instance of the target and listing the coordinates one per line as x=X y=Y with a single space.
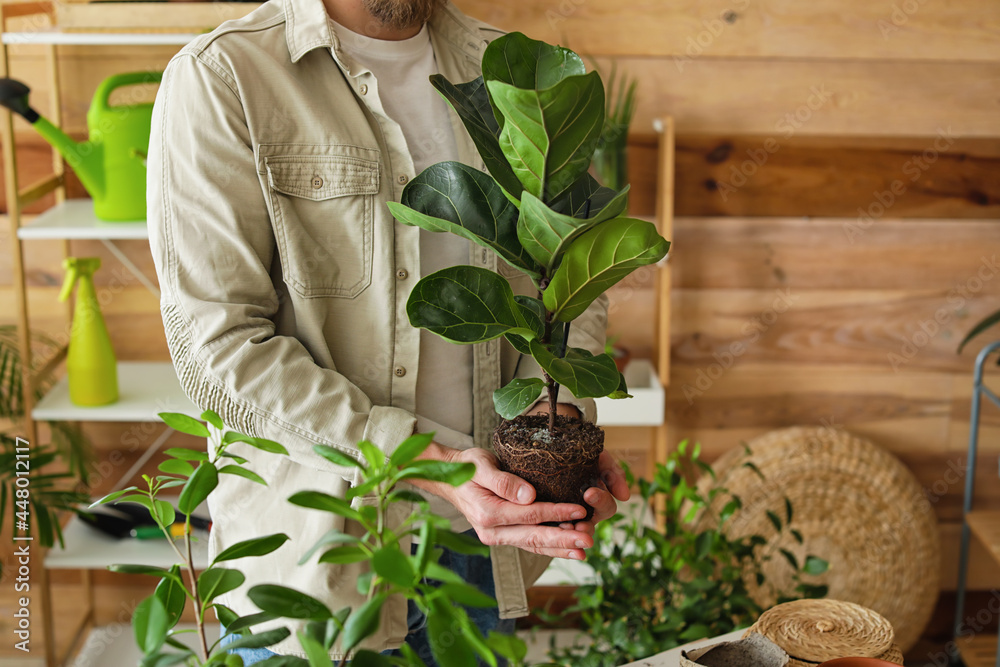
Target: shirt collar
x=308 y=28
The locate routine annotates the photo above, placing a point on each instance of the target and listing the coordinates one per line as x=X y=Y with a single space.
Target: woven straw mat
x=814 y=631
x=855 y=505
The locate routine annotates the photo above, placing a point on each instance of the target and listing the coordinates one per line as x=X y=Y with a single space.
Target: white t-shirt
x=444 y=372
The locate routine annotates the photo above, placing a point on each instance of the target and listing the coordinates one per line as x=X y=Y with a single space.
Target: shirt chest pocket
x=323 y=208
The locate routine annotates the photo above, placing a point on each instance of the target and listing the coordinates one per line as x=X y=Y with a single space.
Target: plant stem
x=199 y=612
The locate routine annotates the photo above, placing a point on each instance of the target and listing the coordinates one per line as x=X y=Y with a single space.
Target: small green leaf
x=752 y=466
x=185 y=454
x=775 y=520
x=260 y=640
x=244 y=622
x=392 y=565
x=410 y=449
x=184 y=424
x=454 y=474
x=517 y=396
x=199 y=485
x=263 y=444
x=227 y=616
x=462 y=543
x=374 y=456
x=150 y=623
x=788 y=510
x=703 y=543
x=812 y=592
x=815 y=566
x=257 y=546
x=509 y=646
x=176 y=467
x=362 y=622
x=314 y=651
x=111 y=497
x=164 y=512
x=445 y=636
x=797 y=535
x=336 y=457
x=438 y=572
x=467 y=595
x=332 y=536
x=344 y=555
x=546 y=234
x=212 y=418
x=370 y=659
x=240 y=471
x=216 y=581
x=325 y=502
x=285 y=602
x=124 y=568
x=171 y=593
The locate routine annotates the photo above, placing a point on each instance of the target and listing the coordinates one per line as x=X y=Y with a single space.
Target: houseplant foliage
x=658 y=587
x=57 y=468
x=440 y=593
x=986 y=323
x=536 y=116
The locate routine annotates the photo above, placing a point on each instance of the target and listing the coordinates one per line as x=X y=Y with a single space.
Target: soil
x=561 y=466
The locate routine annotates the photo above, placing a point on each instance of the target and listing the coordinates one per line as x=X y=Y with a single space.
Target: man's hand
x=500 y=507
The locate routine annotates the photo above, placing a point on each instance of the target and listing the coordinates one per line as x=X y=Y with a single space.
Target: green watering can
x=111 y=164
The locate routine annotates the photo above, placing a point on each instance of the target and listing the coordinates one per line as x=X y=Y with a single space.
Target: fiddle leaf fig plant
x=536 y=116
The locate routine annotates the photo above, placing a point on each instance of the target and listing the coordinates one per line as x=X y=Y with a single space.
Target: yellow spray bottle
x=90 y=361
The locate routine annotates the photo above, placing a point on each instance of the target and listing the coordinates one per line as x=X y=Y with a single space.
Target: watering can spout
x=84 y=158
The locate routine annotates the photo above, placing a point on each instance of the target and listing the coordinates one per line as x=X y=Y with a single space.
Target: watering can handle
x=103 y=93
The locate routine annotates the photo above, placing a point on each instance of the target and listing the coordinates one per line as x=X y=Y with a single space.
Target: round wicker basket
x=854 y=504
x=814 y=631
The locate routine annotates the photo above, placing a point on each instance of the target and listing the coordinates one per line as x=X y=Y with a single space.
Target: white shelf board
x=89 y=549
x=75 y=219
x=114 y=645
x=57 y=36
x=145 y=388
x=645 y=408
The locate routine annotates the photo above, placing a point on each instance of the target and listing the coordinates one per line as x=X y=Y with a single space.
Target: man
x=276 y=142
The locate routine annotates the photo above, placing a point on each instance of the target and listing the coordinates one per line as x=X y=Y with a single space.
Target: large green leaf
x=453 y=197
x=363 y=622
x=597 y=260
x=520 y=61
x=446 y=637
x=589 y=199
x=256 y=546
x=394 y=566
x=466 y=304
x=471 y=102
x=584 y=374
x=545 y=234
x=324 y=501
x=282 y=601
x=550 y=135
x=171 y=592
x=513 y=399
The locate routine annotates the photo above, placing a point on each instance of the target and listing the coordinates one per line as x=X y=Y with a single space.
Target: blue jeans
x=476 y=570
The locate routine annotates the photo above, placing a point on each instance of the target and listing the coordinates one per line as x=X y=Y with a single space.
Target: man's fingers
x=511 y=514
x=603 y=503
x=613 y=477
x=539 y=538
x=509 y=487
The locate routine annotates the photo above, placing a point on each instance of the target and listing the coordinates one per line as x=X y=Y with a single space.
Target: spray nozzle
x=75 y=268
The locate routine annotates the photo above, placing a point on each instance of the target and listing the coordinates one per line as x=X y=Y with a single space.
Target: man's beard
x=402 y=14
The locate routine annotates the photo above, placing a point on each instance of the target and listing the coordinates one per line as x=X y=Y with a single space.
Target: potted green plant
x=536 y=116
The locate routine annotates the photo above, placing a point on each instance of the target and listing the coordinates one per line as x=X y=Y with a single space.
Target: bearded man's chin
x=402 y=14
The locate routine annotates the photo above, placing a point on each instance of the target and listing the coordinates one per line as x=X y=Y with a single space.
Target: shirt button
x=399 y=371
x=402 y=274
x=317 y=182
x=364 y=89
x=402 y=179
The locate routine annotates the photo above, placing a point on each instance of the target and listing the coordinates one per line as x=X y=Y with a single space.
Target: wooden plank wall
x=791 y=117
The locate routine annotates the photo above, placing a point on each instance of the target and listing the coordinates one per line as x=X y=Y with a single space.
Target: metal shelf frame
x=979 y=391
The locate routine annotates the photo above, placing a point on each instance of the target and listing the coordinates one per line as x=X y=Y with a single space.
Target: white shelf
x=113 y=645
x=145 y=388
x=75 y=219
x=56 y=36
x=89 y=549
x=645 y=408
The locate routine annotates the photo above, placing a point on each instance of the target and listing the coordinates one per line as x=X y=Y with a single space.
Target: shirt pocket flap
x=319 y=177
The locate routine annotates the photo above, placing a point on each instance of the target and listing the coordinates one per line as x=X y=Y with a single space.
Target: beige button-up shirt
x=284 y=279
